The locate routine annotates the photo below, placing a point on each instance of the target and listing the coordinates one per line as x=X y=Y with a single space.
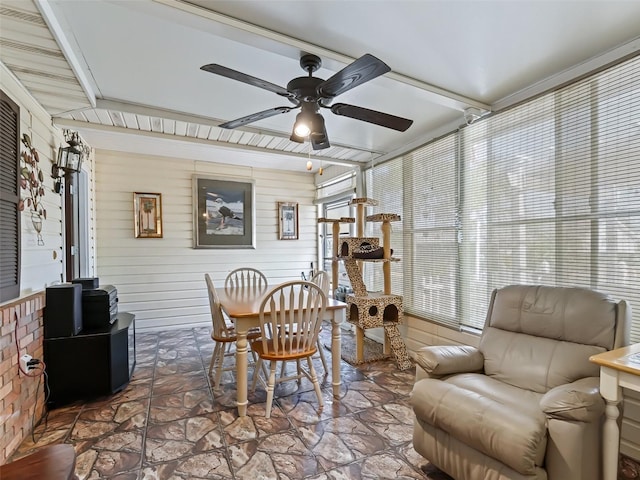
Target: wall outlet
x=24 y=359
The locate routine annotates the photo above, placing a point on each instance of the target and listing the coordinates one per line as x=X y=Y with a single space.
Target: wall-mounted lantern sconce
x=69 y=158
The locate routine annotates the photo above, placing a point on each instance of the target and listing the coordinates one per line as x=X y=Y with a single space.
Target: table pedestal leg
x=612 y=394
x=241 y=373
x=610 y=439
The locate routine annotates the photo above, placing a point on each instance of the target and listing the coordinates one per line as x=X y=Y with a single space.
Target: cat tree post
x=386 y=248
x=386 y=270
x=334 y=259
x=360 y=220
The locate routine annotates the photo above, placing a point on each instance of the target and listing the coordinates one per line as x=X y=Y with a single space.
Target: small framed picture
x=147 y=211
x=288 y=221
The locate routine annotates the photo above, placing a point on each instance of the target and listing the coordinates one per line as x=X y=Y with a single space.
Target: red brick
x=13 y=444
x=5 y=365
x=33 y=326
x=22 y=330
x=25 y=340
x=18 y=392
x=10 y=399
x=6 y=389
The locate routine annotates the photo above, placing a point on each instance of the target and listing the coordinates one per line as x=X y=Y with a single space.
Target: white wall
x=161 y=280
x=41 y=265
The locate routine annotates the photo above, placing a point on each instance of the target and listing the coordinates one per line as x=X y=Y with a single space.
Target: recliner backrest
x=539 y=337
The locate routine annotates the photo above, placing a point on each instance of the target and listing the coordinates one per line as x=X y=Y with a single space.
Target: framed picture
x=288 y=221
x=147 y=211
x=223 y=213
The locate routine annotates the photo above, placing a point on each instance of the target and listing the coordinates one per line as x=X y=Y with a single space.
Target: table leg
x=337 y=318
x=612 y=394
x=241 y=370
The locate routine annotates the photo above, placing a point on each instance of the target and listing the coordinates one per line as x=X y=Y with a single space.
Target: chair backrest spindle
x=292 y=307
x=245 y=277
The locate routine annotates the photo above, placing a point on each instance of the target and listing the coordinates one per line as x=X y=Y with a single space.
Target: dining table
x=242 y=305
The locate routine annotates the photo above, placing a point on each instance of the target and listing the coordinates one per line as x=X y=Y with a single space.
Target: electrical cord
x=45 y=415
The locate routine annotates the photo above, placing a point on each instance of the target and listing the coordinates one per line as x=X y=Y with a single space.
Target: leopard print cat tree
x=369 y=309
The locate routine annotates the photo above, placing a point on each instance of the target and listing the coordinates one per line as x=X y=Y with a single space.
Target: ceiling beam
x=437 y=95
x=67 y=50
x=79 y=125
x=139 y=109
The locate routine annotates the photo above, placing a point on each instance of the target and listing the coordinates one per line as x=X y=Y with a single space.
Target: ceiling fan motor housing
x=305 y=89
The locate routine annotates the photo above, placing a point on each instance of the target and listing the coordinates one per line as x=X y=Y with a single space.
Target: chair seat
x=293 y=353
x=232 y=336
x=509 y=433
x=54 y=462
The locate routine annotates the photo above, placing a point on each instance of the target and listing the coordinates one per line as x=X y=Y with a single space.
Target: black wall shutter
x=9 y=198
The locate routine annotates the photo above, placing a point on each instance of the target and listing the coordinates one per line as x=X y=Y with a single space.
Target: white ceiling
x=133 y=80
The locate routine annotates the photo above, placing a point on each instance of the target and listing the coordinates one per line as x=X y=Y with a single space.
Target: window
x=335 y=209
x=547 y=192
x=9 y=199
x=333 y=198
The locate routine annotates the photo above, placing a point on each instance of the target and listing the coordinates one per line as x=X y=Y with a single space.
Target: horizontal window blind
x=508 y=205
x=547 y=192
x=384 y=183
x=551 y=193
x=431 y=231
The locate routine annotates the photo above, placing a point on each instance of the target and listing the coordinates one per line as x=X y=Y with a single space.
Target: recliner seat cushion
x=502 y=431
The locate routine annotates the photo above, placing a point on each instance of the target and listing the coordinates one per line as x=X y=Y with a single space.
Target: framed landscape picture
x=147 y=208
x=288 y=221
x=223 y=213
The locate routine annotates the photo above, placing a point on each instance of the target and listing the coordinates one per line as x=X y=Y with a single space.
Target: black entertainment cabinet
x=93 y=363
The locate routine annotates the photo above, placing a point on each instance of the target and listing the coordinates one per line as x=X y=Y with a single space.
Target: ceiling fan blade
x=360 y=71
x=372 y=116
x=254 y=117
x=243 y=77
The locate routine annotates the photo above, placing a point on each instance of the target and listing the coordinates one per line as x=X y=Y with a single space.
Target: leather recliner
x=525 y=404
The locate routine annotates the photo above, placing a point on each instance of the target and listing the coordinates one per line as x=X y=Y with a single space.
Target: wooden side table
x=54 y=462
x=618 y=368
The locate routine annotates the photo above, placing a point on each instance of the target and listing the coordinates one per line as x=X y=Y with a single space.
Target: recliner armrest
x=449 y=359
x=579 y=401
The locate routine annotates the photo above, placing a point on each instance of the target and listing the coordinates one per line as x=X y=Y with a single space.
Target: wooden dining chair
x=290 y=307
x=321 y=278
x=223 y=333
x=245 y=277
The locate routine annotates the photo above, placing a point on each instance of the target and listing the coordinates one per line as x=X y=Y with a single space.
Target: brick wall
x=18 y=392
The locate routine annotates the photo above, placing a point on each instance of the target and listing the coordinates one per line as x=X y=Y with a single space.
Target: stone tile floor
x=169 y=424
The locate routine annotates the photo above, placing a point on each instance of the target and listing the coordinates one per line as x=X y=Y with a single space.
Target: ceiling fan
x=311 y=93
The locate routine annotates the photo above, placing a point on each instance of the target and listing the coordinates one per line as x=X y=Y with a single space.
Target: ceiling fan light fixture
x=302 y=126
x=318 y=137
x=302 y=129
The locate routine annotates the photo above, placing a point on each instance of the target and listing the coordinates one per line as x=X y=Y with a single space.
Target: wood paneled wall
x=161 y=280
